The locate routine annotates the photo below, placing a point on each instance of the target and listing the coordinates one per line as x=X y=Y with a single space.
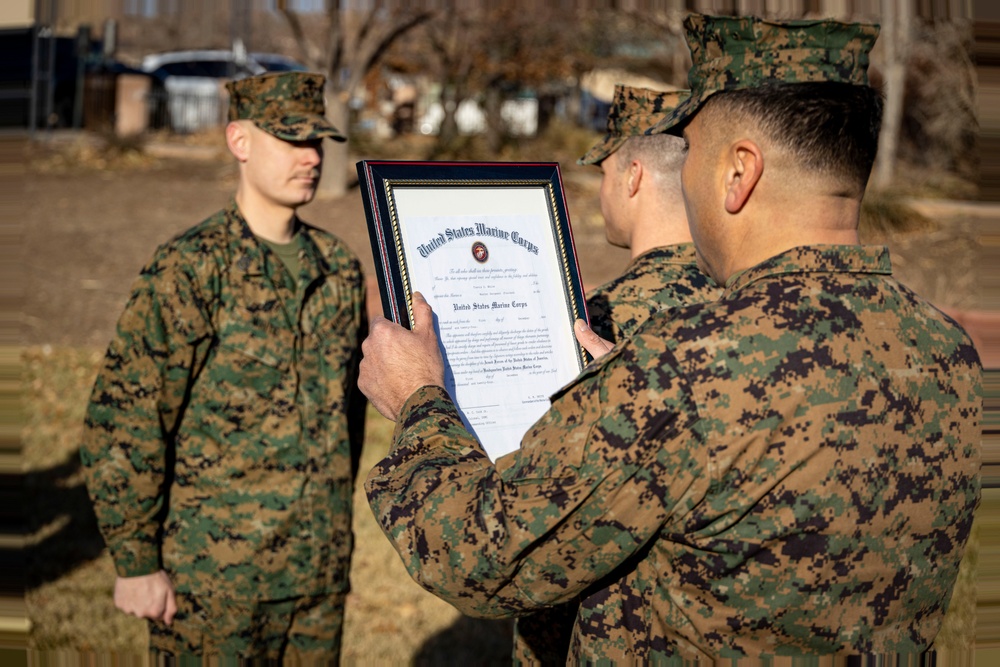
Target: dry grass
x=390 y=619
x=885 y=215
x=70 y=577
x=106 y=153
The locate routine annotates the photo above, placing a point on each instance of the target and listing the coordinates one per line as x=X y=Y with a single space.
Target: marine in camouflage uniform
x=662 y=274
x=789 y=470
x=224 y=430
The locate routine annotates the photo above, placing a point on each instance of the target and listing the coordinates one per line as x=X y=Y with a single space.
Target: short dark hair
x=830 y=127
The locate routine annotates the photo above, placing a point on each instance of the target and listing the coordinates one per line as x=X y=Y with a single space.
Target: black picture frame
x=377 y=180
x=397 y=192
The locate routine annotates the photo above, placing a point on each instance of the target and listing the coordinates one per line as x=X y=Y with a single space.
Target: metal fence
x=184 y=111
x=109 y=105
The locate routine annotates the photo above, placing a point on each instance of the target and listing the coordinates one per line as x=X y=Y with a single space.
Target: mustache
x=312 y=173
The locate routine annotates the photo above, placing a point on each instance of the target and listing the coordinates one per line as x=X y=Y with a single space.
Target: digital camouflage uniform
x=789 y=470
x=634 y=111
x=224 y=430
x=738 y=53
x=658 y=279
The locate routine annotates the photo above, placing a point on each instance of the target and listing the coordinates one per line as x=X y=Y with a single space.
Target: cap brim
x=301 y=128
x=602 y=149
x=674 y=121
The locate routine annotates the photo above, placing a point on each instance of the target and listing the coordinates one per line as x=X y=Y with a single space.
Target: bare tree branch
x=335 y=53
x=295 y=25
x=394 y=33
x=367 y=24
x=355 y=41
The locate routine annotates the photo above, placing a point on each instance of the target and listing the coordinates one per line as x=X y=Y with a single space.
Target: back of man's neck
x=659 y=231
x=772 y=234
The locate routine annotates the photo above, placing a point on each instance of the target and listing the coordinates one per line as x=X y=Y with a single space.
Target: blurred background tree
x=456 y=55
x=346 y=44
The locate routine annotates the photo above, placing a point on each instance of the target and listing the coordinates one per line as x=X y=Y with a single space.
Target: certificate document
x=490 y=263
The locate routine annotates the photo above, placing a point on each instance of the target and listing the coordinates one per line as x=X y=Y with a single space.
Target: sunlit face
x=613 y=197
x=285 y=173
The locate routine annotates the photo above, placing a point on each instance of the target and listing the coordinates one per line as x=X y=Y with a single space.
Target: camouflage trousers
x=221 y=631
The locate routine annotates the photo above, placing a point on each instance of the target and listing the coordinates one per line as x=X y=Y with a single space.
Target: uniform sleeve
x=601 y=311
x=135 y=407
x=602 y=472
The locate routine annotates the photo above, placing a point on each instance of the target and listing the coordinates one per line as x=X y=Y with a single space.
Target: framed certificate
x=489 y=246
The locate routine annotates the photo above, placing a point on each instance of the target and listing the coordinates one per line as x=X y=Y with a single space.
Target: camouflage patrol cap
x=633 y=112
x=733 y=53
x=288 y=105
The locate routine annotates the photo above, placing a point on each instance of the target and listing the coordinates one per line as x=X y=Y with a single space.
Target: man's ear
x=635 y=174
x=238 y=140
x=744 y=171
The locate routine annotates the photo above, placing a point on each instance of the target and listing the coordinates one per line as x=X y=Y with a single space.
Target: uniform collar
x=248 y=256
x=816 y=259
x=680 y=253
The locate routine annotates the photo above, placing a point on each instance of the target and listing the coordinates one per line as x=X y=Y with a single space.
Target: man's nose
x=312 y=155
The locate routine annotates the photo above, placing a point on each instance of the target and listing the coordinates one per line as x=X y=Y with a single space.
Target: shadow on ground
x=469 y=641
x=60 y=524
